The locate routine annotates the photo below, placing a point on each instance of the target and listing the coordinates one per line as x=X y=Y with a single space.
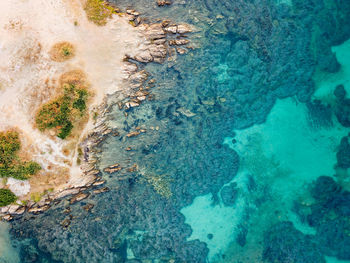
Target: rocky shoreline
x=162 y=41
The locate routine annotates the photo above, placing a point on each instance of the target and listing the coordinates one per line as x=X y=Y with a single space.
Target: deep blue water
x=257 y=172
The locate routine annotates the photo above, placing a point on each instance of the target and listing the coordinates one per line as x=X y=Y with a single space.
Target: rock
x=93 y=172
x=144 y=57
x=65 y=223
x=340 y=92
x=178 y=42
x=20 y=210
x=12 y=209
x=171 y=29
x=132 y=168
x=64 y=193
x=160 y=41
x=186 y=112
x=113 y=168
x=343 y=155
x=164 y=2
x=7 y=217
x=229 y=194
x=137 y=21
x=132 y=12
x=284 y=243
x=38 y=209
x=155 y=31
x=241 y=237
x=131 y=104
x=181 y=51
x=184 y=28
x=88 y=207
x=343 y=112
x=78 y=198
x=133 y=134
x=158 y=51
x=99 y=183
x=101 y=190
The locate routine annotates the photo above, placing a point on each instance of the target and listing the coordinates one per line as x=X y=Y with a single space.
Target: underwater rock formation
x=329 y=214
x=284 y=243
x=342 y=109
x=343 y=155
x=229 y=194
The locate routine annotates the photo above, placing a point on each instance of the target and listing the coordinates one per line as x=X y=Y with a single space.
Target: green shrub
x=9 y=145
x=59 y=113
x=98 y=11
x=10 y=164
x=80 y=102
x=6 y=197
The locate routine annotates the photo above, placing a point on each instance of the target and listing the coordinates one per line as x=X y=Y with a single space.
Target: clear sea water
x=261 y=86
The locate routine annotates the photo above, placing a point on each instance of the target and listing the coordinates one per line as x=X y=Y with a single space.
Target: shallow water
x=236 y=169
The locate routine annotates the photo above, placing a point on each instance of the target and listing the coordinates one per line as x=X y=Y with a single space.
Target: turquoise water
x=243 y=169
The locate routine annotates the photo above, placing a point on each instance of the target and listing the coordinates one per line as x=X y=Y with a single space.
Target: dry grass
x=75 y=77
x=62 y=51
x=98 y=11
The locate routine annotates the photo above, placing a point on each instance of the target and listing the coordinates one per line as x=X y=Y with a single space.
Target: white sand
x=28 y=29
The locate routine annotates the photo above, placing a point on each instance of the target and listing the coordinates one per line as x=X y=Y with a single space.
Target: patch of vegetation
x=6 y=197
x=62 y=51
x=10 y=163
x=98 y=11
x=60 y=113
x=80 y=155
x=36 y=197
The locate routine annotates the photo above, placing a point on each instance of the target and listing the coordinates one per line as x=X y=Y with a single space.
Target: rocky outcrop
x=164 y=2
x=159 y=37
x=113 y=168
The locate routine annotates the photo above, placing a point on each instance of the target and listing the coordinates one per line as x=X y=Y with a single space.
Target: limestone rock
x=171 y=29
x=78 y=197
x=184 y=28
x=133 y=134
x=38 y=209
x=178 y=42
x=101 y=190
x=113 y=168
x=164 y=2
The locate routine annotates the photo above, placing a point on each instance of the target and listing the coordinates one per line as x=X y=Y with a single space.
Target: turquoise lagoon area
x=252 y=144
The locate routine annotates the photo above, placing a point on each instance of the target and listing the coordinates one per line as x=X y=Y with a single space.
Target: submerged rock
x=229 y=194
x=164 y=2
x=343 y=155
x=284 y=243
x=78 y=197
